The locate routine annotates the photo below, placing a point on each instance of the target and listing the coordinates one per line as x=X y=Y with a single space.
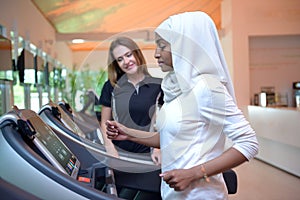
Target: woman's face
x=163 y=54
x=125 y=59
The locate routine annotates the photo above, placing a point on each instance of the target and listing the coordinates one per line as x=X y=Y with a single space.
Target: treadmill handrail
x=127 y=156
x=18 y=144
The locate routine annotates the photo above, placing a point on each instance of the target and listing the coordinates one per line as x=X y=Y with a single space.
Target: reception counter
x=278 y=133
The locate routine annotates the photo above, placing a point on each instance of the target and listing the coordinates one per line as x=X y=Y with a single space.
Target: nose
x=126 y=60
x=157 y=53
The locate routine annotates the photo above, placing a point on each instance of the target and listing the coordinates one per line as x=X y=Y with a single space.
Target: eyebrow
x=159 y=40
x=125 y=54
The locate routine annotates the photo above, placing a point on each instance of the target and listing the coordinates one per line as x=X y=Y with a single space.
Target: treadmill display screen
x=69 y=123
x=56 y=152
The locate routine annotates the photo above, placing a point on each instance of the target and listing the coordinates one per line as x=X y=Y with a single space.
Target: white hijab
x=196 y=50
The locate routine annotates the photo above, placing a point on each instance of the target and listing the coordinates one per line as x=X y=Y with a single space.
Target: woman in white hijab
x=199 y=112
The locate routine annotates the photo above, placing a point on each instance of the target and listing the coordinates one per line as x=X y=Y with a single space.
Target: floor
x=260 y=181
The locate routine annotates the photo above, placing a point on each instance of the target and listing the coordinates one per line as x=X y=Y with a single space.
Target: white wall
x=93 y=60
x=277 y=132
x=23 y=17
x=275 y=62
x=245 y=18
x=64 y=54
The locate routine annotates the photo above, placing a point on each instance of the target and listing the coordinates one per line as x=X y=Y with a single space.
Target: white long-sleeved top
x=193 y=128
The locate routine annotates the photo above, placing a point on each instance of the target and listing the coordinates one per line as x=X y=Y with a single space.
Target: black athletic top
x=133 y=107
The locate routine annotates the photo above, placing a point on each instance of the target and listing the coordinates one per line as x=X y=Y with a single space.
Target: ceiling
x=99 y=20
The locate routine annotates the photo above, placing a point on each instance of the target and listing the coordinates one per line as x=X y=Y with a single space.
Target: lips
x=129 y=66
x=160 y=63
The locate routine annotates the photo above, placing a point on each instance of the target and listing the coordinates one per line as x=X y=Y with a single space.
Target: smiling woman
x=130 y=96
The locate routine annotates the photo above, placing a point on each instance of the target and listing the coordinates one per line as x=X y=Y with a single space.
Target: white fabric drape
x=196 y=49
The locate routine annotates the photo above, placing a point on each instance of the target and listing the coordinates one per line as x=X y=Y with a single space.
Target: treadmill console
x=48 y=143
x=67 y=120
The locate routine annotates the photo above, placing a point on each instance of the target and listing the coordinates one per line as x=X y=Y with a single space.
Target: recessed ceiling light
x=77 y=41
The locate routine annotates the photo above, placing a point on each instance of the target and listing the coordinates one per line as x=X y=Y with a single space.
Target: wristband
x=205 y=177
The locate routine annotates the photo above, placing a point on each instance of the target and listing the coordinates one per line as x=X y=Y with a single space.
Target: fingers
x=111 y=136
x=169 y=179
x=155 y=155
x=110 y=126
x=156 y=159
x=108 y=122
x=111 y=130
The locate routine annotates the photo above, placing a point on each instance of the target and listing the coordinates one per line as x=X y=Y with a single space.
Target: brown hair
x=114 y=71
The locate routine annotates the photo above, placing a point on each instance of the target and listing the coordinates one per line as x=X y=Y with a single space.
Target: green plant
x=81 y=81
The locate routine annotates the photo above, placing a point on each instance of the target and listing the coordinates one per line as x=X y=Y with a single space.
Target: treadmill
x=130 y=170
x=86 y=124
x=10 y=191
x=230 y=176
x=36 y=164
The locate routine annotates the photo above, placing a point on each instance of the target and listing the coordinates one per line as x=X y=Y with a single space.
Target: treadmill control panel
x=49 y=144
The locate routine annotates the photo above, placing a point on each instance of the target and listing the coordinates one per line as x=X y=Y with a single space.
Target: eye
x=129 y=54
x=120 y=59
x=161 y=45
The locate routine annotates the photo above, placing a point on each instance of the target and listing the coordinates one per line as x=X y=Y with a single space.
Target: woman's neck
x=135 y=78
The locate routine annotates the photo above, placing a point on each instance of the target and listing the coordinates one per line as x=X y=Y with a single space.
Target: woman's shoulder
x=151 y=79
x=209 y=81
x=107 y=84
x=107 y=87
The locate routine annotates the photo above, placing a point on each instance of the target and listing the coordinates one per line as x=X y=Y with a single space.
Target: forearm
x=150 y=139
x=117 y=131
x=109 y=146
x=229 y=159
x=107 y=142
x=106 y=115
